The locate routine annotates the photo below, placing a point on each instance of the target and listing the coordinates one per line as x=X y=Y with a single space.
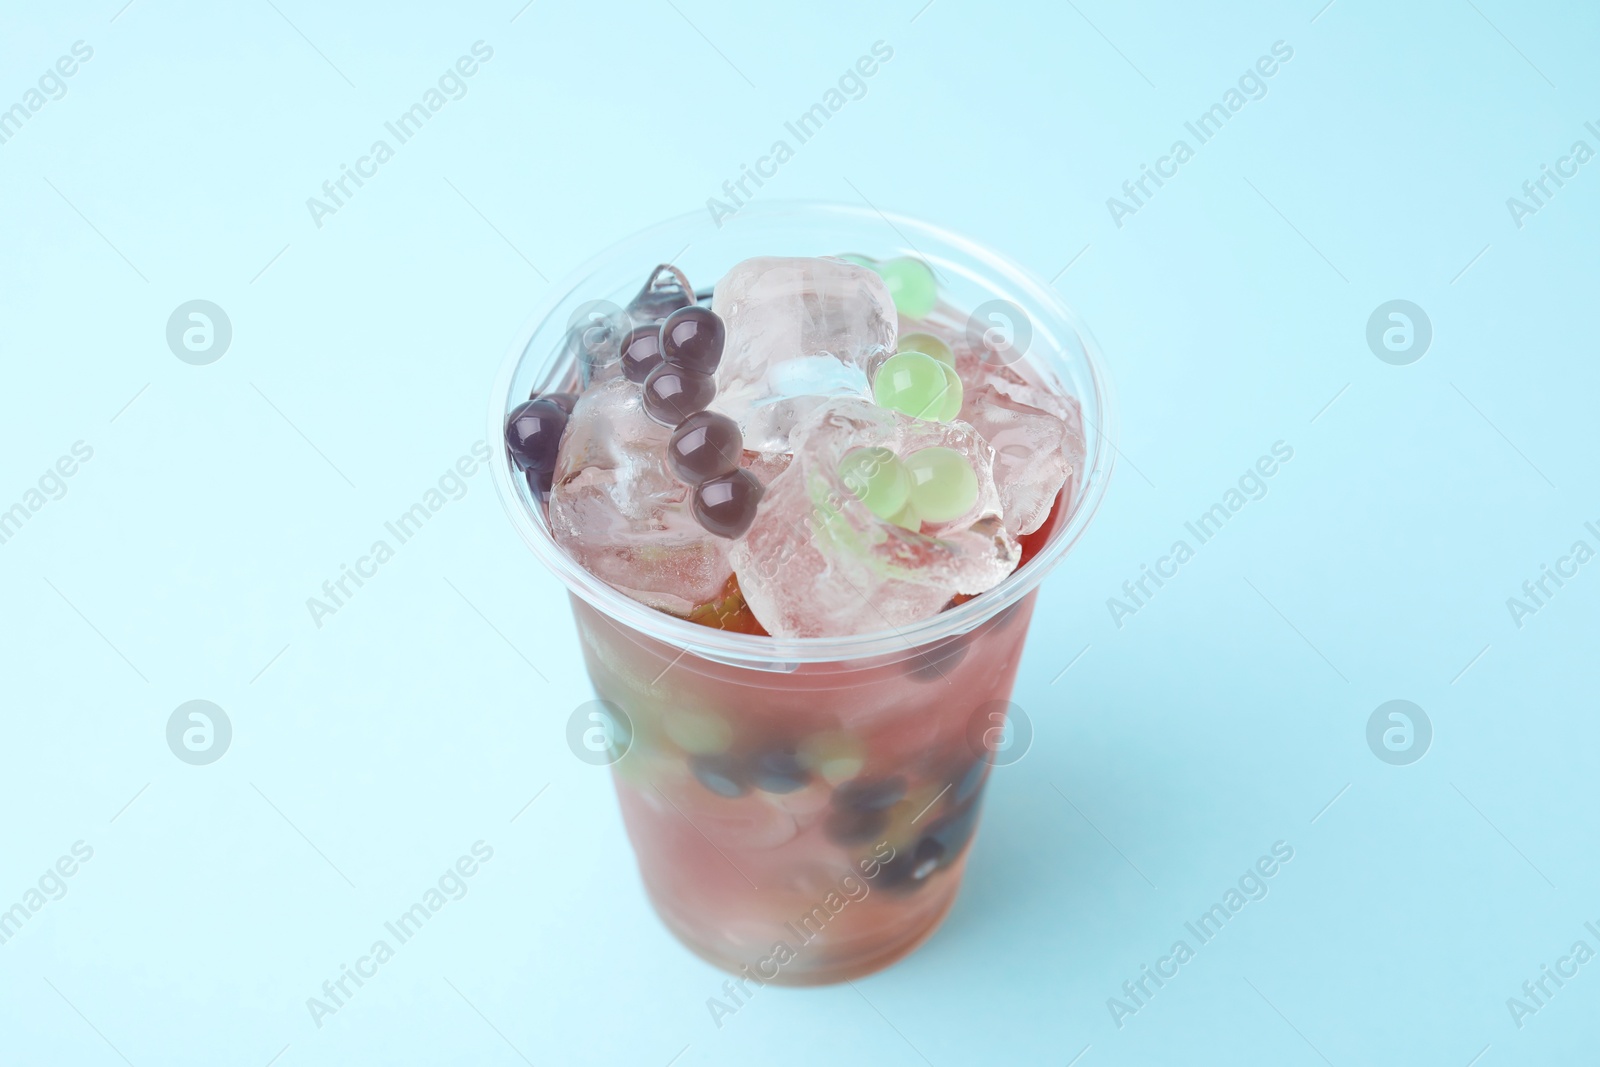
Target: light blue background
x=1226 y=715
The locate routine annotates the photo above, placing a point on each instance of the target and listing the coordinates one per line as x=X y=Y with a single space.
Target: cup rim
x=779 y=653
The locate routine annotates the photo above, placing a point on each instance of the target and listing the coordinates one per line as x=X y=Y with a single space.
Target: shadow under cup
x=802 y=809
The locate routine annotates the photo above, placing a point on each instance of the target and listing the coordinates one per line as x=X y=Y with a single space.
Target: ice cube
x=817 y=563
x=798 y=329
x=1036 y=433
x=617 y=509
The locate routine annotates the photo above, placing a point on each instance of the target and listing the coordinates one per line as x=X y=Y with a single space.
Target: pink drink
x=802 y=808
x=845 y=854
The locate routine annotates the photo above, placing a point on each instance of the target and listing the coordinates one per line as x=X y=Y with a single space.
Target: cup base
x=878 y=958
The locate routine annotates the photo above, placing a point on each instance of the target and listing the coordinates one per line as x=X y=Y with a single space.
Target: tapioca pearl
x=877 y=794
x=565 y=401
x=929 y=345
x=842 y=769
x=641 y=353
x=813 y=798
x=835 y=757
x=950 y=405
x=895 y=875
x=699 y=733
x=877 y=478
x=955 y=829
x=726 y=505
x=940 y=845
x=855 y=827
x=672 y=394
x=911 y=383
x=911 y=284
x=540 y=482
x=943 y=484
x=907 y=518
x=926 y=859
x=720 y=774
x=778 y=771
x=912 y=867
x=706 y=445
x=692 y=338
x=533 y=434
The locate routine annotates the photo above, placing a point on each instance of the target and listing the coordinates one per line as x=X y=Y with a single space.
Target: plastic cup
x=802 y=810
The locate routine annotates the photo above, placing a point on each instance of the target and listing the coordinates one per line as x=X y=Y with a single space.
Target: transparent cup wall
x=802 y=810
x=821 y=814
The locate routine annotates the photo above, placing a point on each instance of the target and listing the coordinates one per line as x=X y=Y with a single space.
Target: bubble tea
x=832 y=479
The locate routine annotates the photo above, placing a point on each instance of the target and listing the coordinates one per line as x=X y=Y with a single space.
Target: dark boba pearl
x=540 y=482
x=778 y=771
x=875 y=795
x=939 y=847
x=953 y=831
x=565 y=401
x=925 y=860
x=672 y=395
x=533 y=434
x=855 y=827
x=720 y=774
x=726 y=505
x=704 y=446
x=641 y=353
x=692 y=338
